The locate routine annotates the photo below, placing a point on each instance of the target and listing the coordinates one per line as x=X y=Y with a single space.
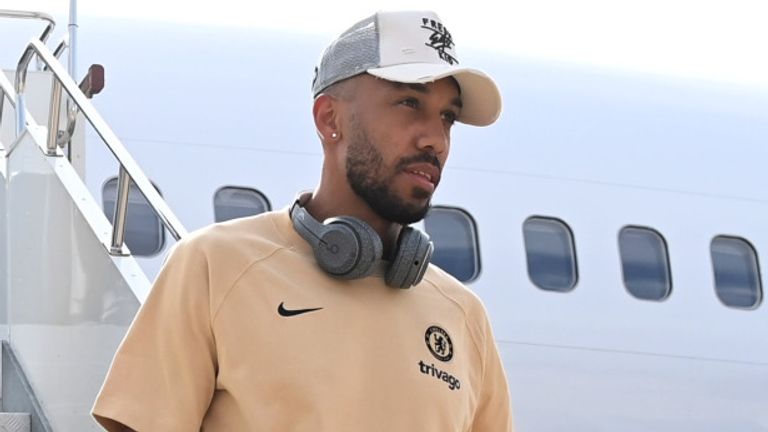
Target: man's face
x=399 y=137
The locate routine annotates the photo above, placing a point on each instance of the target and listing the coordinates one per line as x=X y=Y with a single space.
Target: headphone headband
x=348 y=248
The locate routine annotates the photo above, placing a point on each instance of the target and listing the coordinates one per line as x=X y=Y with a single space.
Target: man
x=281 y=323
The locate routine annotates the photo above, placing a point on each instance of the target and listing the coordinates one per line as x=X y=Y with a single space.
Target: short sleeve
x=494 y=412
x=163 y=375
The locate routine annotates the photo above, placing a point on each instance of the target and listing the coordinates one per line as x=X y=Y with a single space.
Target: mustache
x=420 y=158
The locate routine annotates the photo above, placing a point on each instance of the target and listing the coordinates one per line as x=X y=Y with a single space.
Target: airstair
x=68 y=282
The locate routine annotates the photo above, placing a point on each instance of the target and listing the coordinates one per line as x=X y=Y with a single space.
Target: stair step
x=14 y=422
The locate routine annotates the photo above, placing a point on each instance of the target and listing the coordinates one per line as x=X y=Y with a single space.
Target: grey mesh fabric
x=344 y=246
x=363 y=240
x=354 y=52
x=414 y=252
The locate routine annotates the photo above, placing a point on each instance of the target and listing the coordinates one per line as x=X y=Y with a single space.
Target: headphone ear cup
x=414 y=250
x=349 y=248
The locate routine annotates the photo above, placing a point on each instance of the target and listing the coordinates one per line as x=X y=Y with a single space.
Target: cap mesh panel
x=354 y=52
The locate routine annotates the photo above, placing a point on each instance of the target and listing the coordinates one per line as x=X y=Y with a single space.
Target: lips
x=424 y=174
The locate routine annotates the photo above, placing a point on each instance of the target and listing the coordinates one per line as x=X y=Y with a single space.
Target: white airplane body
x=204 y=107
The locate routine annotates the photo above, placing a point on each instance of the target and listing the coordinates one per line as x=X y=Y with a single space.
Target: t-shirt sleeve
x=163 y=375
x=494 y=412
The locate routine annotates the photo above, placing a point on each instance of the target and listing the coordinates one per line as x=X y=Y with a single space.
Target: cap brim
x=480 y=96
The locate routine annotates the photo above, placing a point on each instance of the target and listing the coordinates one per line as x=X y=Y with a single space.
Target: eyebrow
x=422 y=88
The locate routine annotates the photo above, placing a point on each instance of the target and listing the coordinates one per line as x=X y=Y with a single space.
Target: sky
x=714 y=40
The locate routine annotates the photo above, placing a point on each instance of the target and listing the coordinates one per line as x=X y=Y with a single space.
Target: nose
x=435 y=135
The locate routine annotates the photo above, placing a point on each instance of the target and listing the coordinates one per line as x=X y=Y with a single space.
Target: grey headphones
x=348 y=248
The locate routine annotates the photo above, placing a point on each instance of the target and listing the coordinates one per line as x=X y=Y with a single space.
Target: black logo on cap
x=440 y=39
x=439 y=343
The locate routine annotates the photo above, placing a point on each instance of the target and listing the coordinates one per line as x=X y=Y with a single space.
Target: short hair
x=344 y=89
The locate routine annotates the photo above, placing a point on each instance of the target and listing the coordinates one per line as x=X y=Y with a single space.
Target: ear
x=326 y=114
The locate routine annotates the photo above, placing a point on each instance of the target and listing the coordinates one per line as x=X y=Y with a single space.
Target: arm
x=111 y=425
x=494 y=413
x=163 y=375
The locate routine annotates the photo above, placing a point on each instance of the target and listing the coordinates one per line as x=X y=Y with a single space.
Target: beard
x=367 y=175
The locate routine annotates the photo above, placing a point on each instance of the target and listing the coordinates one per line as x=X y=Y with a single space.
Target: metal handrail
x=129 y=169
x=61 y=46
x=6 y=91
x=7 y=13
x=72 y=109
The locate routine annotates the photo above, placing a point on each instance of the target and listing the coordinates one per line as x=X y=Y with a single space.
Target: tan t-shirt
x=227 y=341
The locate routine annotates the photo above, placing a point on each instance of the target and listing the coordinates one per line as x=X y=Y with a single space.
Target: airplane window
x=144 y=233
x=232 y=202
x=737 y=274
x=645 y=263
x=454 y=234
x=550 y=253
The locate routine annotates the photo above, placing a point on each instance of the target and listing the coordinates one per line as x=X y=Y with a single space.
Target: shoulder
x=455 y=291
x=216 y=256
x=256 y=235
x=237 y=244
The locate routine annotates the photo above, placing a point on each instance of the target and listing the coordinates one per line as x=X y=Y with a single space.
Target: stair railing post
x=54 y=114
x=121 y=211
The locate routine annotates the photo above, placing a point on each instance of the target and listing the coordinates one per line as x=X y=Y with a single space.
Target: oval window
x=550 y=254
x=645 y=263
x=737 y=273
x=232 y=202
x=454 y=235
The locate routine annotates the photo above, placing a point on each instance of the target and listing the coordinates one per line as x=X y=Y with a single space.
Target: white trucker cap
x=408 y=47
